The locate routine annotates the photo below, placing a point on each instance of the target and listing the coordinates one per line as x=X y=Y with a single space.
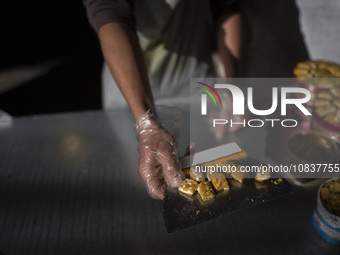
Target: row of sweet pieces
x=217 y=180
x=317 y=69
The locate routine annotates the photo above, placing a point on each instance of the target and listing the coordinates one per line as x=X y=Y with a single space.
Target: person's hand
x=158 y=158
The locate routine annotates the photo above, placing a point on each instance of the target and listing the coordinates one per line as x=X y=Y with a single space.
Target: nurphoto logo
x=238 y=104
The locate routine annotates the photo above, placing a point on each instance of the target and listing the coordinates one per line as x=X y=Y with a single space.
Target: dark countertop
x=69 y=185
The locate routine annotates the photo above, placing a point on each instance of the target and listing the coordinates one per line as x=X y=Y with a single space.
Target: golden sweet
x=188 y=187
x=262 y=175
x=330 y=196
x=238 y=175
x=206 y=191
x=306 y=70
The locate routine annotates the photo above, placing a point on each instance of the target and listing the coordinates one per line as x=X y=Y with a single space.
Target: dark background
x=33 y=32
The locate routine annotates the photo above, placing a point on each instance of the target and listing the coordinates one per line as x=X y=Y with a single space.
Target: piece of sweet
x=325 y=83
x=336 y=103
x=320 y=73
x=196 y=174
x=214 y=174
x=206 y=191
x=261 y=185
x=321 y=101
x=324 y=110
x=325 y=194
x=227 y=166
x=335 y=92
x=262 y=175
x=218 y=180
x=333 y=117
x=334 y=187
x=188 y=187
x=325 y=95
x=239 y=175
x=220 y=184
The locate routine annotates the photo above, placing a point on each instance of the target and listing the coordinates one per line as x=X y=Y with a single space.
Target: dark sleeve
x=100 y=12
x=225 y=8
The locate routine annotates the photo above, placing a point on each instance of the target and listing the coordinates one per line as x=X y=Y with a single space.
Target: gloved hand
x=158 y=158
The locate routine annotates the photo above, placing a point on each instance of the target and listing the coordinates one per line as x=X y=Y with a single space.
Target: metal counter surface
x=69 y=185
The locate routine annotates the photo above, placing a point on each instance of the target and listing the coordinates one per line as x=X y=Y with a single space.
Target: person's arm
x=114 y=22
x=125 y=59
x=227 y=20
x=229 y=43
x=158 y=160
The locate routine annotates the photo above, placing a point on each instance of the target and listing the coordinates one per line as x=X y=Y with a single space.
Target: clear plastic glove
x=158 y=158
